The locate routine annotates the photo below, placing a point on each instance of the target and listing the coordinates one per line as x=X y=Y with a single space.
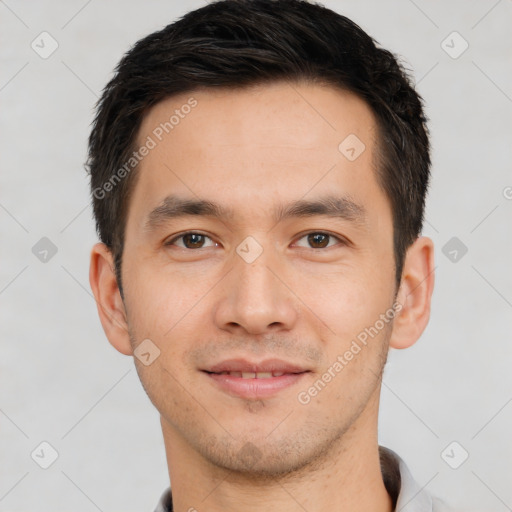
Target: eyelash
x=341 y=240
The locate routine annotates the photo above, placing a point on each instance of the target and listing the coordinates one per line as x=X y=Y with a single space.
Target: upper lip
x=242 y=365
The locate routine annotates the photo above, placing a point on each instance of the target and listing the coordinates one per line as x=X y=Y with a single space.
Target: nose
x=256 y=298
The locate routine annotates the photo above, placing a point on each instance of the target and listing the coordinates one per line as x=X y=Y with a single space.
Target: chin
x=262 y=459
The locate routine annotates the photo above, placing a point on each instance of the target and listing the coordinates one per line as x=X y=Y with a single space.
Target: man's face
x=251 y=287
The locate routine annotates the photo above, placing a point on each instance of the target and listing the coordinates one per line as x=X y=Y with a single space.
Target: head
x=297 y=152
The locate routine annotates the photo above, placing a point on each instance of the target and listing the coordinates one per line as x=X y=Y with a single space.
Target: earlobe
x=414 y=294
x=110 y=305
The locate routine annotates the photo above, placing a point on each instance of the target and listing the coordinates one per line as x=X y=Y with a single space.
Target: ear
x=110 y=305
x=414 y=294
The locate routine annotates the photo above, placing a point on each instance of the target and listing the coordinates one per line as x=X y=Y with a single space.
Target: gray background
x=62 y=382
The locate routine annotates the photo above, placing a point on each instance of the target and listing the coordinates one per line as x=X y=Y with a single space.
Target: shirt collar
x=401 y=486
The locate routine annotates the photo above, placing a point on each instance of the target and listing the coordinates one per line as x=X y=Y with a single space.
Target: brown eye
x=193 y=240
x=190 y=240
x=320 y=240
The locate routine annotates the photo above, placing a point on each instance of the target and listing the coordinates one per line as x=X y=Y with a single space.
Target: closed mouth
x=253 y=375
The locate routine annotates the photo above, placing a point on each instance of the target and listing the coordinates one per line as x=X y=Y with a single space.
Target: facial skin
x=302 y=300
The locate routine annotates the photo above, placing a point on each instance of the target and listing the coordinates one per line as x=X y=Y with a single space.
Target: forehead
x=256 y=146
x=304 y=115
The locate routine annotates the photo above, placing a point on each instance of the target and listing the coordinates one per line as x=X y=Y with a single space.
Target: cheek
x=158 y=303
x=356 y=334
x=166 y=312
x=348 y=301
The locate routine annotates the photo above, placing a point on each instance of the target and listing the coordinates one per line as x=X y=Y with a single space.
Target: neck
x=346 y=478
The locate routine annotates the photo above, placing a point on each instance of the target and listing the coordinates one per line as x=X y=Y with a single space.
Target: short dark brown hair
x=236 y=43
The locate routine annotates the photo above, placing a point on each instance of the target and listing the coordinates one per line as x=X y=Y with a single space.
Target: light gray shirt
x=406 y=493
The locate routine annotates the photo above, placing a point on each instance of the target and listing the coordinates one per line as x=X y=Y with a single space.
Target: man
x=259 y=171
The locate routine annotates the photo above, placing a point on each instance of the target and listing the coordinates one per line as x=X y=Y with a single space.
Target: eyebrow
x=174 y=206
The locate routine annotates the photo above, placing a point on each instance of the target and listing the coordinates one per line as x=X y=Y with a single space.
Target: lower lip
x=254 y=388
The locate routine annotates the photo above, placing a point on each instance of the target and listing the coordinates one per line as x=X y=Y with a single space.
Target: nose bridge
x=256 y=284
x=255 y=279
x=256 y=299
